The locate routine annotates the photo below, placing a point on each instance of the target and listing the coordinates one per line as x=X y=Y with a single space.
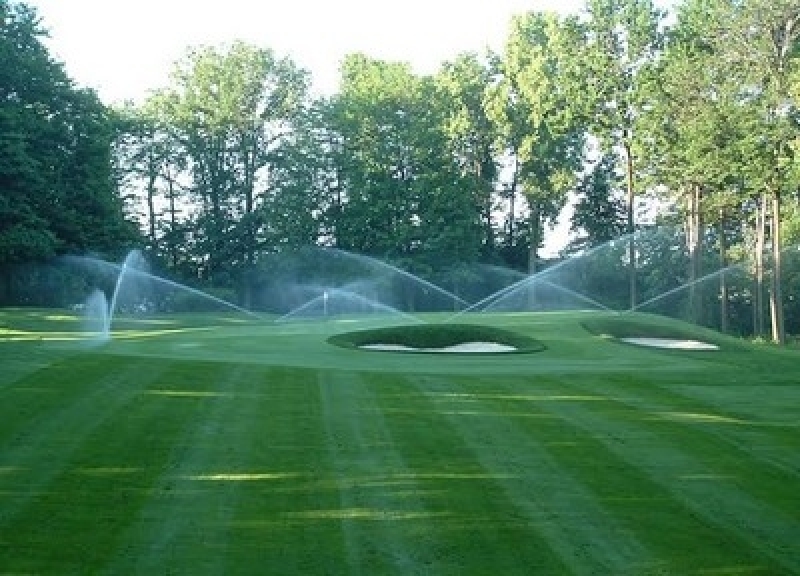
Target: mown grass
x=437 y=335
x=262 y=449
x=646 y=326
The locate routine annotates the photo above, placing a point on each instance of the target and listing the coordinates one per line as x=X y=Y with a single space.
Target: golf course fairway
x=206 y=446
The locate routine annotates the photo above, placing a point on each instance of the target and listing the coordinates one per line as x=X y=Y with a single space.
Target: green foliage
x=538 y=116
x=56 y=190
x=401 y=192
x=230 y=109
x=232 y=162
x=464 y=85
x=623 y=37
x=599 y=214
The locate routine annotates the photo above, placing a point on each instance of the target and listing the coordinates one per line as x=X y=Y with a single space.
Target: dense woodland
x=236 y=160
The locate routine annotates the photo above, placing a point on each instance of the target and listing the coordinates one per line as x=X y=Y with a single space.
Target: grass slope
x=262 y=449
x=436 y=335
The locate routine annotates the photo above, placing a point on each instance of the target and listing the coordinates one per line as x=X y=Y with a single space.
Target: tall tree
x=232 y=106
x=623 y=36
x=404 y=195
x=148 y=158
x=535 y=106
x=600 y=214
x=760 y=41
x=56 y=189
x=472 y=134
x=692 y=131
x=295 y=210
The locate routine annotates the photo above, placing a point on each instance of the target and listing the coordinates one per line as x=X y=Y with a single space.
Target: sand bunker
x=671 y=343
x=465 y=347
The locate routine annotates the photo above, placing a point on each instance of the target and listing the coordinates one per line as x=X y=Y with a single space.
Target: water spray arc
x=686 y=286
x=351 y=303
x=101 y=310
x=389 y=268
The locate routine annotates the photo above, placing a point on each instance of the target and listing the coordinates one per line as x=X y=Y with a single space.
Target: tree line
x=236 y=160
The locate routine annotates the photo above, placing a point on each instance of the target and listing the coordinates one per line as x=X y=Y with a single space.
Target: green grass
x=436 y=335
x=196 y=446
x=646 y=326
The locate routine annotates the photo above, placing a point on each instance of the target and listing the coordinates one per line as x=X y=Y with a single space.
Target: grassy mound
x=437 y=336
x=642 y=326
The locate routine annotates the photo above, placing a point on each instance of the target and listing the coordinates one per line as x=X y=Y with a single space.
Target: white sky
x=124 y=49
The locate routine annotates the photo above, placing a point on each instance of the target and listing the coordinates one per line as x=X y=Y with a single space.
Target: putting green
x=198 y=446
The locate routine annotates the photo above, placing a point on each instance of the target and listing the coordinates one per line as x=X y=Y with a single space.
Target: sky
x=126 y=49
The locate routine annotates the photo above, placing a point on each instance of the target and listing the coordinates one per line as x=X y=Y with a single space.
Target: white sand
x=671 y=343
x=466 y=347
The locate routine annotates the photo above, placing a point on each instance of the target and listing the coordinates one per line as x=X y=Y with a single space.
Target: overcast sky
x=125 y=49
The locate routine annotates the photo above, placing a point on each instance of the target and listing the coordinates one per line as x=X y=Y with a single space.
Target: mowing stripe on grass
x=184 y=524
x=480 y=529
x=362 y=447
x=290 y=523
x=771 y=430
x=647 y=445
x=42 y=394
x=660 y=520
x=589 y=457
x=40 y=453
x=588 y=539
x=705 y=429
x=75 y=526
x=19 y=359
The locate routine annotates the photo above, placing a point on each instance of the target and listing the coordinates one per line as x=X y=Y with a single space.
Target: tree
x=149 y=159
x=623 y=36
x=534 y=105
x=600 y=214
x=760 y=42
x=293 y=213
x=692 y=131
x=56 y=189
x=231 y=108
x=404 y=195
x=464 y=83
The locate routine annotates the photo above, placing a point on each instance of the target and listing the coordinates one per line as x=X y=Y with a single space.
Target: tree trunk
x=249 y=153
x=776 y=293
x=723 y=285
x=758 y=296
x=693 y=246
x=173 y=223
x=533 y=252
x=512 y=204
x=5 y=285
x=151 y=207
x=631 y=225
x=216 y=191
x=336 y=228
x=697 y=256
x=485 y=200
